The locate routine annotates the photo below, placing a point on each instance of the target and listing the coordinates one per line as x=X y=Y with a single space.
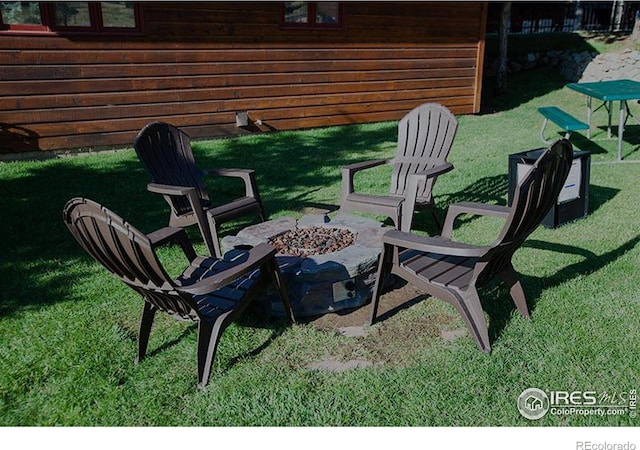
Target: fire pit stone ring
x=319 y=283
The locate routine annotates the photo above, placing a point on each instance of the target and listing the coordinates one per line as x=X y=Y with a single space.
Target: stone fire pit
x=327 y=264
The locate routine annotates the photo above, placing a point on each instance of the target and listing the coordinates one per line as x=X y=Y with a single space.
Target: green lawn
x=68 y=329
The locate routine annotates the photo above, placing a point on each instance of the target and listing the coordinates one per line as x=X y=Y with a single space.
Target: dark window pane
x=296 y=12
x=71 y=14
x=328 y=12
x=20 y=13
x=118 y=15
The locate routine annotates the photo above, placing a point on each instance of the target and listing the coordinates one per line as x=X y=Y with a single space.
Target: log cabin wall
x=196 y=64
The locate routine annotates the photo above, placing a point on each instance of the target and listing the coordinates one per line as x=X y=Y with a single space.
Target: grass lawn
x=68 y=329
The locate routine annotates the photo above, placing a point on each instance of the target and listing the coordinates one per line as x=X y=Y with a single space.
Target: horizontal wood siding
x=196 y=64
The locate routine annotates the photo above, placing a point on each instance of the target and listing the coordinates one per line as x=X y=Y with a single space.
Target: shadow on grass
x=500 y=311
x=252 y=318
x=493 y=190
x=630 y=139
x=499 y=308
x=40 y=261
x=530 y=84
x=581 y=142
x=590 y=264
x=38 y=252
x=599 y=195
x=292 y=167
x=255 y=318
x=485 y=190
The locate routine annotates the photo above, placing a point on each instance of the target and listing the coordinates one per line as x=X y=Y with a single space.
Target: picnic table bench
x=561 y=118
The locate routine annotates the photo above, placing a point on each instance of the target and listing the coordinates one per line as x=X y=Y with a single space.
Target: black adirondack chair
x=425 y=137
x=165 y=152
x=210 y=291
x=452 y=271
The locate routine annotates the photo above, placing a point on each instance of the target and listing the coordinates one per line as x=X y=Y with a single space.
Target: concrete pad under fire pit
x=320 y=283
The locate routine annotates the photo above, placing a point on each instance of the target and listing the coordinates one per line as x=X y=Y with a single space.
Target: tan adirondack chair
x=452 y=271
x=165 y=152
x=425 y=136
x=211 y=292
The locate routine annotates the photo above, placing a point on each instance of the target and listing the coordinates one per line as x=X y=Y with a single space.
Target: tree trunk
x=503 y=33
x=635 y=35
x=616 y=15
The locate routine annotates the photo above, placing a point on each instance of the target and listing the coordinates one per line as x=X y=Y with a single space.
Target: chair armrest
x=180 y=191
x=168 y=235
x=255 y=257
x=355 y=167
x=435 y=171
x=166 y=189
x=350 y=170
x=184 y=191
x=427 y=244
x=247 y=175
x=475 y=208
x=239 y=173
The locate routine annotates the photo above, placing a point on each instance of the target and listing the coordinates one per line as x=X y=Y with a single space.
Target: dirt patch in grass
x=408 y=324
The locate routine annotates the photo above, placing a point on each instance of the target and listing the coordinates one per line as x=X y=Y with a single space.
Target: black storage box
x=573 y=201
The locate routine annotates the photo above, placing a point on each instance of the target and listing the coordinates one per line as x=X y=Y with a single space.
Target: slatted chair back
x=534 y=196
x=165 y=152
x=126 y=253
x=425 y=137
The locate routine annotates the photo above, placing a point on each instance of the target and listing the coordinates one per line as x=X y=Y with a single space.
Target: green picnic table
x=608 y=92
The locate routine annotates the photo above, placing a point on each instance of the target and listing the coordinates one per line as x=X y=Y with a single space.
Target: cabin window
x=312 y=14
x=64 y=17
x=71 y=15
x=21 y=15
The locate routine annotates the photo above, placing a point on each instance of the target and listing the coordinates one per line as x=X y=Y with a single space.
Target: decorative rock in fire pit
x=312 y=241
x=328 y=264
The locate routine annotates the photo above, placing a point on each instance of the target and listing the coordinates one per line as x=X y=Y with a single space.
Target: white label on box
x=571 y=189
